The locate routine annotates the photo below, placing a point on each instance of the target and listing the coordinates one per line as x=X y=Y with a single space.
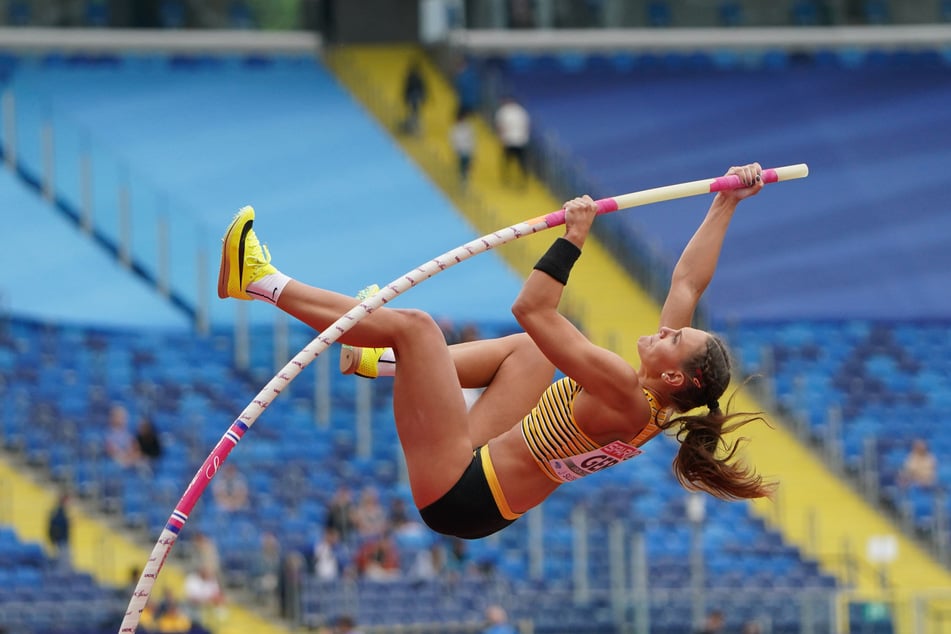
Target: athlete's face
x=668 y=349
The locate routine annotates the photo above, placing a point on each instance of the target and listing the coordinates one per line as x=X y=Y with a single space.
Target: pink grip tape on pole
x=683 y=190
x=325 y=339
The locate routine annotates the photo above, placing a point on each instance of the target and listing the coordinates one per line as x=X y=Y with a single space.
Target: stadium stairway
x=814 y=509
x=374 y=75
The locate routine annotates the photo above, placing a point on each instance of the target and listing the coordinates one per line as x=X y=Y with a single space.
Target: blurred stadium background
x=131 y=131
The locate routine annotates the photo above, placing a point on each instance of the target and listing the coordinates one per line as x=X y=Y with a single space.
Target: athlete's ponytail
x=706 y=459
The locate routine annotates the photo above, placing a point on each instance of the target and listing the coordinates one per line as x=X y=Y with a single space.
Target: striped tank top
x=562 y=450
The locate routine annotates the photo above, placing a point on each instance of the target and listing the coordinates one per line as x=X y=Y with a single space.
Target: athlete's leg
x=513 y=372
x=319 y=308
x=430 y=411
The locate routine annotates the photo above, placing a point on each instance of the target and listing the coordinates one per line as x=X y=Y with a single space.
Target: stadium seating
x=892 y=99
x=884 y=384
x=289 y=127
x=42 y=596
x=294 y=466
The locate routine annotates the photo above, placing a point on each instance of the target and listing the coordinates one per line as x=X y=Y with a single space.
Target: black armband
x=559 y=259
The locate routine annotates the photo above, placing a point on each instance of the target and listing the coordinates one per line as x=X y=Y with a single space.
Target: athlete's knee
x=417 y=326
x=527 y=346
x=527 y=350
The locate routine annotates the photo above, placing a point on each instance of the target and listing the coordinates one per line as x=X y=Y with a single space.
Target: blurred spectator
x=448 y=330
x=266 y=569
x=751 y=627
x=463 y=139
x=414 y=95
x=230 y=489
x=147 y=437
x=340 y=514
x=293 y=570
x=466 y=82
x=378 y=559
x=498 y=621
x=135 y=573
x=206 y=553
x=58 y=529
x=171 y=618
x=369 y=515
x=714 y=624
x=458 y=562
x=920 y=467
x=121 y=445
x=429 y=563
x=345 y=624
x=423 y=556
x=147 y=619
x=203 y=595
x=513 y=125
x=469 y=332
x=400 y=520
x=521 y=14
x=329 y=556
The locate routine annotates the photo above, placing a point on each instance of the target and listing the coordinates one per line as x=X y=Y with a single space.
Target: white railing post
x=125 y=225
x=10 y=128
x=49 y=168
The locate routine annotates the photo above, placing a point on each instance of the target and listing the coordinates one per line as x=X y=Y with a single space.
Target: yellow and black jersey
x=562 y=450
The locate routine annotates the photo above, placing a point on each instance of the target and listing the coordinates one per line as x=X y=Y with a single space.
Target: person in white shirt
x=514 y=126
x=462 y=137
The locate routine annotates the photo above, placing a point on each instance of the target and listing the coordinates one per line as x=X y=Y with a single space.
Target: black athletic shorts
x=474 y=507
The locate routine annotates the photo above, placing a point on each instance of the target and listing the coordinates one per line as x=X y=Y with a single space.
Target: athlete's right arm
x=601 y=372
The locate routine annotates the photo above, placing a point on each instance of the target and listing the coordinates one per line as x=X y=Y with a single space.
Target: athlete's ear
x=674 y=378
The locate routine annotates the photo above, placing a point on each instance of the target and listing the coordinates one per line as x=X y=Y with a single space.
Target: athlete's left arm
x=698 y=261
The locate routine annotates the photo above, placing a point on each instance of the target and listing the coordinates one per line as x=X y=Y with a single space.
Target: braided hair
x=705 y=460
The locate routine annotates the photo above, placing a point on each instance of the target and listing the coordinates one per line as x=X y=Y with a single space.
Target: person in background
x=147 y=438
x=498 y=621
x=330 y=556
x=715 y=623
x=230 y=489
x=120 y=443
x=172 y=619
x=341 y=514
x=370 y=516
x=378 y=558
x=514 y=127
x=203 y=595
x=58 y=528
x=462 y=137
x=414 y=96
x=266 y=569
x=345 y=624
x=920 y=468
x=752 y=627
x=466 y=82
x=205 y=552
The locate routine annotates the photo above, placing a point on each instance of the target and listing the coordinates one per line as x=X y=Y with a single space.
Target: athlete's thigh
x=513 y=391
x=430 y=411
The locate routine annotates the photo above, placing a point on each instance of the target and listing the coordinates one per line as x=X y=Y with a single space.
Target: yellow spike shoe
x=243 y=258
x=361 y=361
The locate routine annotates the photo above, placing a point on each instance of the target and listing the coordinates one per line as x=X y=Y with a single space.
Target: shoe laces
x=257 y=254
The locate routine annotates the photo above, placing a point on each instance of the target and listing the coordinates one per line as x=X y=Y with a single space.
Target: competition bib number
x=579 y=466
